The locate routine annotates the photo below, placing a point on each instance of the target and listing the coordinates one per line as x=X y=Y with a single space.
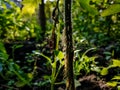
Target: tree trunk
x=42 y=17
x=68 y=47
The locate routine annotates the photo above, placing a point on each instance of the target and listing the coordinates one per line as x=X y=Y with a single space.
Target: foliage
x=56 y=66
x=85 y=64
x=95 y=25
x=115 y=66
x=112 y=9
x=29 y=7
x=13 y=70
x=85 y=4
x=13 y=26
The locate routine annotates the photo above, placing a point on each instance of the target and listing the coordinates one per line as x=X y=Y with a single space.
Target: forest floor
x=87 y=82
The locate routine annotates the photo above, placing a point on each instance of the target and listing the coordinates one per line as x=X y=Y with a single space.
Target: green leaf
x=30 y=75
x=116 y=62
x=107 y=57
x=112 y=83
x=107 y=53
x=28 y=10
x=29 y=7
x=2 y=48
x=86 y=6
x=116 y=78
x=104 y=71
x=56 y=52
x=60 y=55
x=31 y=2
x=112 y=9
x=17 y=46
x=20 y=84
x=118 y=87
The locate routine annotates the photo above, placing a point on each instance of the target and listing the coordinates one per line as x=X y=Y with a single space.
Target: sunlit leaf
x=59 y=54
x=29 y=7
x=116 y=62
x=113 y=83
x=104 y=71
x=28 y=10
x=112 y=9
x=31 y=2
x=116 y=78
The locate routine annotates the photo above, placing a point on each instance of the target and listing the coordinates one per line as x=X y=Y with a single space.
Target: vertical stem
x=68 y=47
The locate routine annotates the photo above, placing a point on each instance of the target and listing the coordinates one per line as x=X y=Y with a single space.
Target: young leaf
x=60 y=55
x=104 y=71
x=112 y=9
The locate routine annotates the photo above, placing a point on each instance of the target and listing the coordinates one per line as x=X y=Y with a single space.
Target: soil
x=91 y=82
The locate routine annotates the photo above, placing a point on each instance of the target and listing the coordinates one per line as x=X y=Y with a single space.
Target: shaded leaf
x=20 y=84
x=30 y=75
x=17 y=46
x=77 y=83
x=1 y=68
x=107 y=53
